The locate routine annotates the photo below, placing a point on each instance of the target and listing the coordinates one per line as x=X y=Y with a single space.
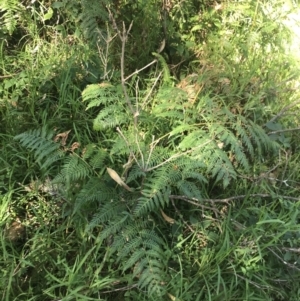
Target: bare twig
x=196 y=201
x=123 y=37
x=152 y=146
x=283 y=261
x=254 y=283
x=123 y=82
x=283 y=131
x=137 y=71
x=8 y=75
x=284 y=110
x=128 y=145
x=151 y=90
x=104 y=56
x=287 y=154
x=294 y=250
x=192 y=201
x=177 y=156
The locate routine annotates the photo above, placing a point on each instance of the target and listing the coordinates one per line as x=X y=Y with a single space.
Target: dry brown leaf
x=113 y=174
x=63 y=136
x=167 y=218
x=74 y=146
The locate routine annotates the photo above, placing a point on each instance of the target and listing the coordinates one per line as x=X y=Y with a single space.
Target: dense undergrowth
x=149 y=151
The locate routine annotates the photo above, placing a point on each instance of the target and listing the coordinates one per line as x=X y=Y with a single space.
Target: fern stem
x=128 y=145
x=177 y=156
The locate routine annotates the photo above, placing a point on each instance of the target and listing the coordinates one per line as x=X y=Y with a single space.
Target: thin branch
x=137 y=134
x=254 y=283
x=283 y=261
x=287 y=155
x=104 y=56
x=151 y=90
x=294 y=250
x=196 y=201
x=283 y=131
x=8 y=75
x=284 y=110
x=137 y=71
x=123 y=82
x=123 y=37
x=128 y=145
x=150 y=153
x=177 y=156
x=139 y=148
x=191 y=201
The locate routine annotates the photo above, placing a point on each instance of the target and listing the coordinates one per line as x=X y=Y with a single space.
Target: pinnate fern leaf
x=100 y=94
x=40 y=141
x=151 y=200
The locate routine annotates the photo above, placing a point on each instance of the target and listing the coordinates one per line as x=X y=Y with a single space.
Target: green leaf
x=49 y=14
x=274 y=126
x=58 y=4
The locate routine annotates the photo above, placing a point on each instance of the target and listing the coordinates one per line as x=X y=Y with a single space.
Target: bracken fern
x=183 y=148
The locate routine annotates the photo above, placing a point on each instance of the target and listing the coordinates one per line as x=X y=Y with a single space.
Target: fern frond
x=120 y=147
x=89 y=151
x=95 y=190
x=157 y=156
x=74 y=169
x=119 y=222
x=169 y=104
x=190 y=163
x=153 y=279
x=151 y=200
x=240 y=126
x=189 y=189
x=107 y=212
x=98 y=94
x=262 y=141
x=53 y=157
x=133 y=243
x=171 y=114
x=161 y=178
x=93 y=14
x=195 y=175
x=113 y=110
x=111 y=116
x=98 y=159
x=219 y=166
x=240 y=156
x=138 y=256
x=224 y=172
x=126 y=239
x=10 y=10
x=183 y=127
x=146 y=254
x=193 y=139
x=230 y=140
x=135 y=173
x=40 y=141
x=167 y=75
x=90 y=27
